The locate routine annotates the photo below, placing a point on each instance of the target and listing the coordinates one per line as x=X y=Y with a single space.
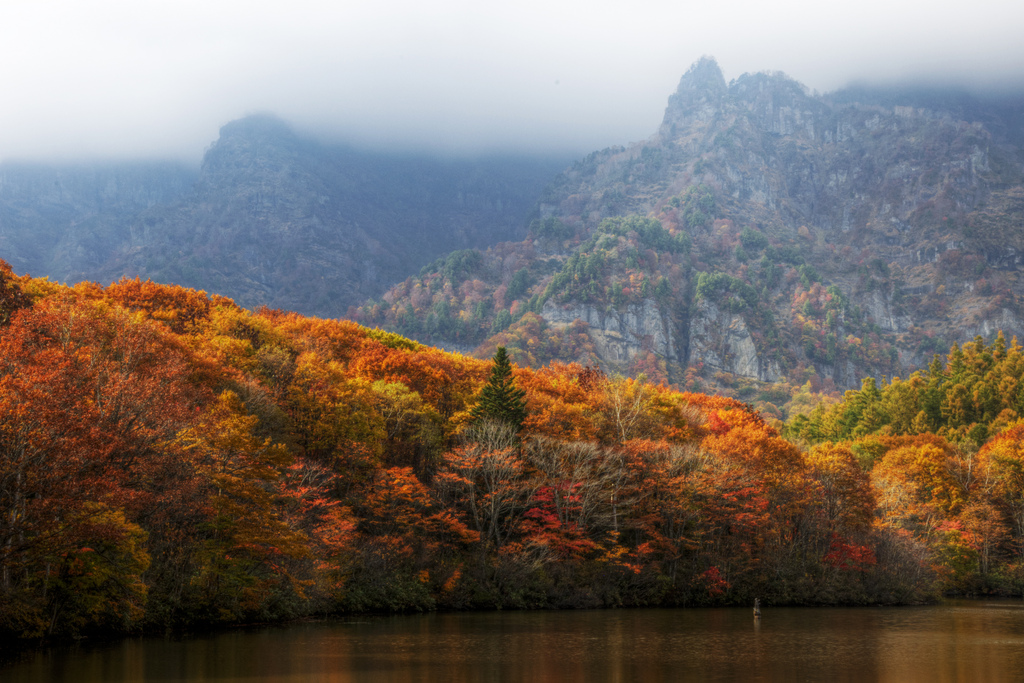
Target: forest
x=169 y=460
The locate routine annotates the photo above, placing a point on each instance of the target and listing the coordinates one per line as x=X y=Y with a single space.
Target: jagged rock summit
x=699 y=95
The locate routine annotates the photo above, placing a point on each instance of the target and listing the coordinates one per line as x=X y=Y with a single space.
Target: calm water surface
x=957 y=641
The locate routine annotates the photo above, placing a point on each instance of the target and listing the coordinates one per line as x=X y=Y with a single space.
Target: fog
x=157 y=78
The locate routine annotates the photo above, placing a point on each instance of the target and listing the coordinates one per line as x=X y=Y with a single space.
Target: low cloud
x=123 y=78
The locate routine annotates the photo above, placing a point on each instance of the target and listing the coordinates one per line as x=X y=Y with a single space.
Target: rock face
x=619 y=336
x=698 y=97
x=717 y=339
x=880 y=310
x=905 y=205
x=721 y=341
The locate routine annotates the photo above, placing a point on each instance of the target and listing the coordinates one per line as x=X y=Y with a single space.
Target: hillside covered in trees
x=169 y=459
x=944 y=451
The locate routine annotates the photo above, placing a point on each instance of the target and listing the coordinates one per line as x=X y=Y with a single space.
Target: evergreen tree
x=999 y=347
x=500 y=400
x=956 y=364
x=931 y=399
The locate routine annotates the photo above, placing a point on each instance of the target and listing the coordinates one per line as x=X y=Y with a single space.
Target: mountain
x=271 y=218
x=64 y=221
x=763 y=234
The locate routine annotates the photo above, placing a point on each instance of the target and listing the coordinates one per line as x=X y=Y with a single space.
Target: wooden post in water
x=757 y=608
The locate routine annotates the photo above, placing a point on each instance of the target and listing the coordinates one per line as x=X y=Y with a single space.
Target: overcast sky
x=157 y=78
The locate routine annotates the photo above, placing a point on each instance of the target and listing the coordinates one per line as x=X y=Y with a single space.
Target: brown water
x=957 y=641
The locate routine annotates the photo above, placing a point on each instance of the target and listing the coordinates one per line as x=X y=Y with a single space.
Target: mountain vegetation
x=168 y=459
x=500 y=400
x=943 y=451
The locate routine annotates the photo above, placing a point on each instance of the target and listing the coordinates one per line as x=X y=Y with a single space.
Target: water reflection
x=976 y=641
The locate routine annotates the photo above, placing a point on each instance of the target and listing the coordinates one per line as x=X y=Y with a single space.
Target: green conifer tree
x=500 y=400
x=999 y=347
x=955 y=362
x=931 y=398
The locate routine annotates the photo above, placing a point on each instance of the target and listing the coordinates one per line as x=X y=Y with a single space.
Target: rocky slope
x=913 y=213
x=829 y=237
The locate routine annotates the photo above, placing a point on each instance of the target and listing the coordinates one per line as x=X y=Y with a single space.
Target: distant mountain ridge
x=274 y=219
x=63 y=221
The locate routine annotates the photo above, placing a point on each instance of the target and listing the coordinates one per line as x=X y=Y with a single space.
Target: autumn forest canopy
x=170 y=459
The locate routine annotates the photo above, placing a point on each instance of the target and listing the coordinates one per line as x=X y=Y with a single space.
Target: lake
x=954 y=641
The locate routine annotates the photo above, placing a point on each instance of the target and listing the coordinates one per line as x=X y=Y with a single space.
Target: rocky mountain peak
x=778 y=104
x=704 y=74
x=700 y=90
x=253 y=144
x=263 y=127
